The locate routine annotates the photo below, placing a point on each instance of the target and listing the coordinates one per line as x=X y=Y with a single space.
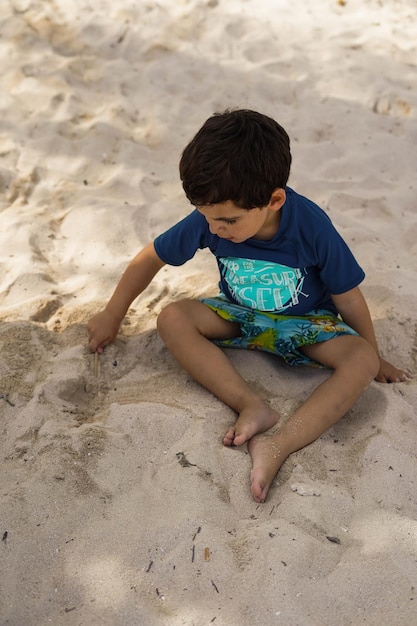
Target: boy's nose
x=216 y=228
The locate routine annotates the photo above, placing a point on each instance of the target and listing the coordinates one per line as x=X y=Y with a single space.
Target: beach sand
x=119 y=505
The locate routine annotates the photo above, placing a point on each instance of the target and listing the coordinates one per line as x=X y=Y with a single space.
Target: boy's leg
x=355 y=365
x=186 y=328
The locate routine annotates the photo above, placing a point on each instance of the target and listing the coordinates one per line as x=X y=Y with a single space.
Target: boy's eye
x=230 y=221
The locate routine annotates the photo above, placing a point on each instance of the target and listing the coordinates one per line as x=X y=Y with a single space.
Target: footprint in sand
x=392 y=105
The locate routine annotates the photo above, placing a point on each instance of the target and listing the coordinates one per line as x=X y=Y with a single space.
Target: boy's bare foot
x=267 y=458
x=251 y=421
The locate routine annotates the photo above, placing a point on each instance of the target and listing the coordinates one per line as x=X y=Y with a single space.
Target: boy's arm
x=104 y=326
x=354 y=311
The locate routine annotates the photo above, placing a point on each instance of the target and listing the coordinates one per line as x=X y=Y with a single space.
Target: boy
x=285 y=276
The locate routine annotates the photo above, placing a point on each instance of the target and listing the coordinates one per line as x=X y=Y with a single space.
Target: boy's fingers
x=96 y=346
x=399 y=377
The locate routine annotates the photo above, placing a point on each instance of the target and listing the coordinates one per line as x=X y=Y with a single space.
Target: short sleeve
x=337 y=266
x=180 y=242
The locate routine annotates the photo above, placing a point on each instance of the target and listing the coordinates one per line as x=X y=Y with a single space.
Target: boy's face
x=230 y=222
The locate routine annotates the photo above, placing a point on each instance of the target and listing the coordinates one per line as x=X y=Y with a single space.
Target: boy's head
x=238 y=155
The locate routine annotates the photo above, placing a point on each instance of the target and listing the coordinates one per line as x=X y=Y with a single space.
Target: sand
x=119 y=505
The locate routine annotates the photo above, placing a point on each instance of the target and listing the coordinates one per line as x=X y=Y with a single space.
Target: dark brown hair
x=238 y=155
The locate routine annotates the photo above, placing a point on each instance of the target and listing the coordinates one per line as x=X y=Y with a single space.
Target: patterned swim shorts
x=282 y=335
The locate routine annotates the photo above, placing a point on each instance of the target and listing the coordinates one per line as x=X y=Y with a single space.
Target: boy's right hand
x=102 y=329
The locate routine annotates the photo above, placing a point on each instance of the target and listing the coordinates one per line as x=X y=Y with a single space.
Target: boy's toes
x=233 y=438
x=258 y=488
x=239 y=439
x=229 y=438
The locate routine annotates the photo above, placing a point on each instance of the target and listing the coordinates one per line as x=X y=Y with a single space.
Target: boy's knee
x=166 y=317
x=367 y=358
x=170 y=317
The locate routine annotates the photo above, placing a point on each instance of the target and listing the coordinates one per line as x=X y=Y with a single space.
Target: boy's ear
x=278 y=198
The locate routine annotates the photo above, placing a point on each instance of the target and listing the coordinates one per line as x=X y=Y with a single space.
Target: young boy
x=285 y=276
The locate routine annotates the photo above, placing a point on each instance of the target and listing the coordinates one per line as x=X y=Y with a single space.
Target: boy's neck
x=270 y=227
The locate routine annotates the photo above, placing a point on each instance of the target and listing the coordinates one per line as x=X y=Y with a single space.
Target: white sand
x=113 y=485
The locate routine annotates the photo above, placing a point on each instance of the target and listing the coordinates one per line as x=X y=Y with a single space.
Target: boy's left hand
x=390 y=374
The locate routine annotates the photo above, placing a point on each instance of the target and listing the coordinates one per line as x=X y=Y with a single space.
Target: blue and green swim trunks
x=282 y=335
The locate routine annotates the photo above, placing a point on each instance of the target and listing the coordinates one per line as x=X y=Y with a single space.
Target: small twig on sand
x=96 y=364
x=215 y=586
